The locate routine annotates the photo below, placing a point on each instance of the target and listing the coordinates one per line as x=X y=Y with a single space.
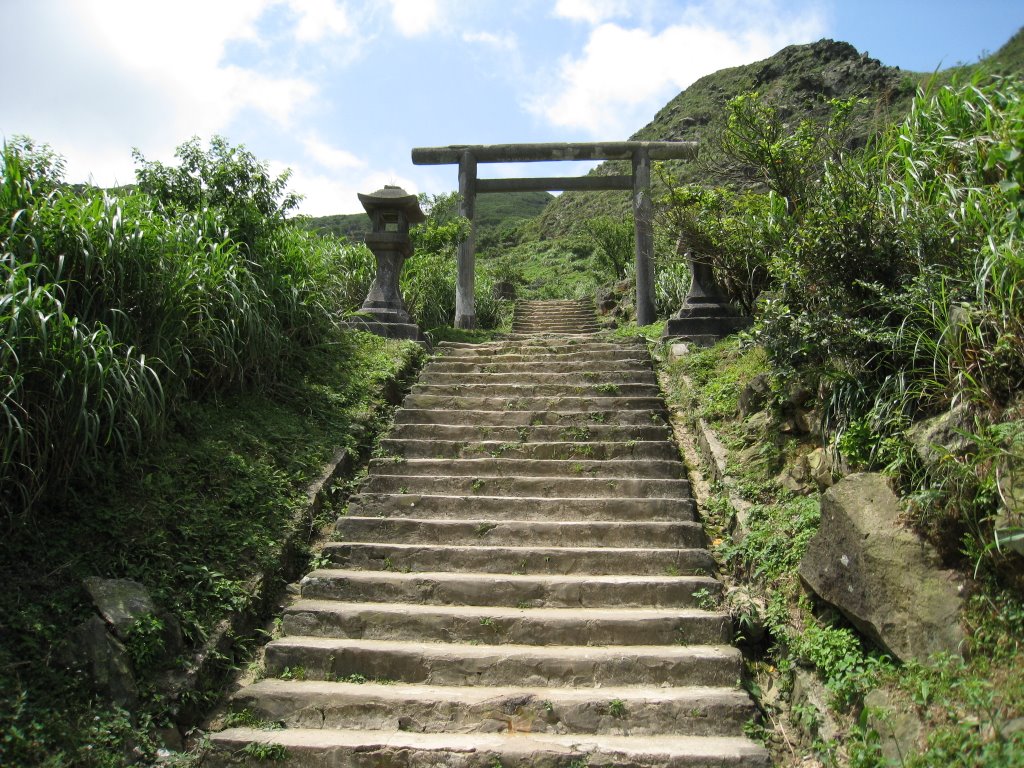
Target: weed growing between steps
x=194 y=519
x=970 y=710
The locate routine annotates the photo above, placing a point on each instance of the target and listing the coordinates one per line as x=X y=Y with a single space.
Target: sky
x=340 y=91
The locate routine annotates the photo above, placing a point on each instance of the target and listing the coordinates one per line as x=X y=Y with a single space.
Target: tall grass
x=115 y=308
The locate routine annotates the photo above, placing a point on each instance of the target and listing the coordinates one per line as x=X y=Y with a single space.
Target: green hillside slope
x=801 y=79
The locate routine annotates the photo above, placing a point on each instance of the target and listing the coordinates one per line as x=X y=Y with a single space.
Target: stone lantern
x=391 y=210
x=706 y=316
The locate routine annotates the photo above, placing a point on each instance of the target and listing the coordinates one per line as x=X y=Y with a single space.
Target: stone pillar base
x=704 y=323
x=390 y=325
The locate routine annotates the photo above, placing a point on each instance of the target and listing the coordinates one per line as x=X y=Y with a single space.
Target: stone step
x=536 y=591
x=516 y=418
x=521 y=533
x=534 y=346
x=333 y=658
x=562 y=450
x=626 y=365
x=584 y=432
x=496 y=625
x=521 y=388
x=485 y=507
x=691 y=711
x=538 y=354
x=538 y=487
x=540 y=326
x=412 y=558
x=542 y=337
x=551 y=403
x=592 y=378
x=352 y=749
x=510 y=467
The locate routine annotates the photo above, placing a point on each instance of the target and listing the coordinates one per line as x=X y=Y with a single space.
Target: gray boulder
x=882 y=577
x=121 y=602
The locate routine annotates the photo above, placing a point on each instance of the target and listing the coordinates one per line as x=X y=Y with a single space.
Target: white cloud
x=123 y=73
x=414 y=18
x=320 y=18
x=591 y=11
x=326 y=195
x=331 y=157
x=506 y=42
x=625 y=74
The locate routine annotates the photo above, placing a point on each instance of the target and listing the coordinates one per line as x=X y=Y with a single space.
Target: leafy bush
x=115 y=308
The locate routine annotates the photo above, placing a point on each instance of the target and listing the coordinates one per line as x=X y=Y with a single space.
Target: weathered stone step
x=522 y=533
x=540 y=326
x=517 y=389
x=544 y=433
x=536 y=354
x=510 y=467
x=331 y=658
x=691 y=711
x=537 y=346
x=551 y=403
x=584 y=337
x=542 y=487
x=411 y=558
x=516 y=418
x=590 y=378
x=596 y=451
x=536 y=591
x=488 y=507
x=497 y=625
x=627 y=365
x=354 y=749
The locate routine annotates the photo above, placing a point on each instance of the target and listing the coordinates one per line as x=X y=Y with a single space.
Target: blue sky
x=340 y=91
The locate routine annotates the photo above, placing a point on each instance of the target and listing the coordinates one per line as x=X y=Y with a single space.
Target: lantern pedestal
x=705 y=317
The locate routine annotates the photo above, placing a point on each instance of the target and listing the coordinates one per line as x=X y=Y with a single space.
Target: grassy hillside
x=493 y=211
x=800 y=79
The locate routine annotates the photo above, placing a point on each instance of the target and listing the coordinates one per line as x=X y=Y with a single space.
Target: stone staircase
x=548 y=317
x=520 y=581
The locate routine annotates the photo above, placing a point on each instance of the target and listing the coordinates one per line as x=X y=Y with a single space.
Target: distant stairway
x=517 y=584
x=567 y=317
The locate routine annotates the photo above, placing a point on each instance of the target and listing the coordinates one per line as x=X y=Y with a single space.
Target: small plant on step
x=260 y=751
x=293 y=673
x=706 y=601
x=608 y=388
x=617 y=708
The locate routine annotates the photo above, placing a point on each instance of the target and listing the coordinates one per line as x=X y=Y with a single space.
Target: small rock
x=105 y=659
x=757 y=426
x=754 y=395
x=121 y=602
x=810 y=706
x=819 y=467
x=898 y=727
x=939 y=436
x=796 y=476
x=809 y=422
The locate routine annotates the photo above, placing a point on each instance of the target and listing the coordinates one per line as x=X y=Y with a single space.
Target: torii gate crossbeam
x=640 y=153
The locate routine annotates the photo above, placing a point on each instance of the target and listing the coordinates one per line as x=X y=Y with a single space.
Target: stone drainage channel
x=519 y=582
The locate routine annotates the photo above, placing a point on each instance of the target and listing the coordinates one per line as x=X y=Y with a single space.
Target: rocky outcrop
x=881 y=576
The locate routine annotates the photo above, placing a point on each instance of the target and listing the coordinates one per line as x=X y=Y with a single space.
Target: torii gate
x=641 y=153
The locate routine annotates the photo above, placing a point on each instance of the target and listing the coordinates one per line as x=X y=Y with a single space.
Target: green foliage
x=116 y=308
x=194 y=518
x=614 y=244
x=230 y=180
